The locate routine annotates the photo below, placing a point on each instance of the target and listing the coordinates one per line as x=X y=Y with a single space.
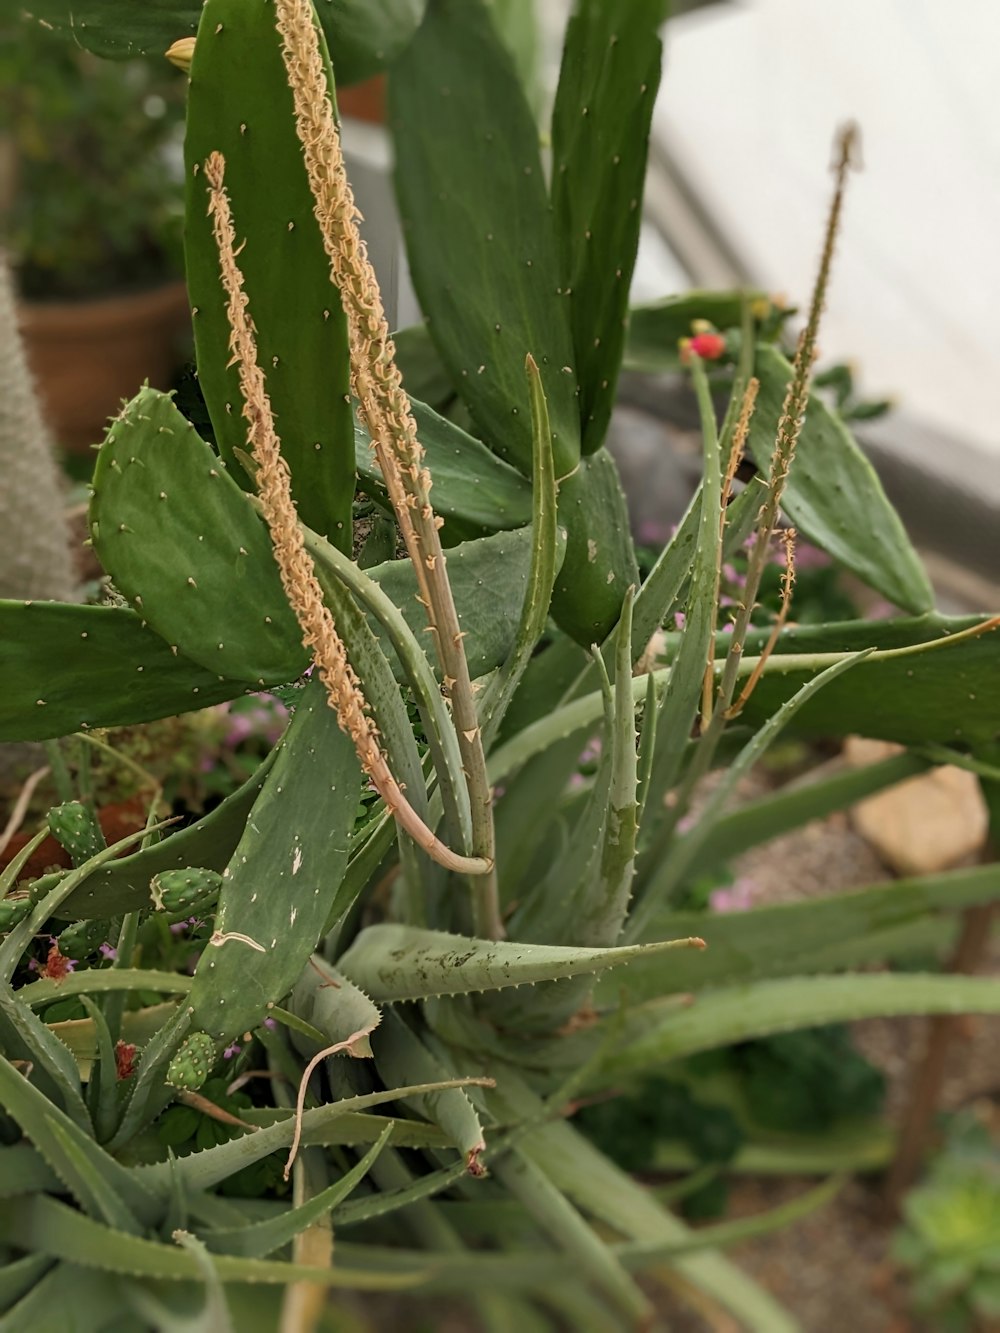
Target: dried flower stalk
x=790 y=425
x=385 y=407
x=298 y=576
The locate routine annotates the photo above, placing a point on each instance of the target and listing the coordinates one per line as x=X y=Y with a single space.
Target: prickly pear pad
x=182 y=542
x=281 y=881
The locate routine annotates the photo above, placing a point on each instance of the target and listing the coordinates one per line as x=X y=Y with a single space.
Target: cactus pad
x=193 y=1063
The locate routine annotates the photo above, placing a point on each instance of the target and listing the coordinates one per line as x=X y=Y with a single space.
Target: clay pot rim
x=104 y=312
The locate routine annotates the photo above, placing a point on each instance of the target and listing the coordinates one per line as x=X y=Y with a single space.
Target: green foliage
x=301 y=327
x=949 y=1242
x=98 y=201
x=344 y=972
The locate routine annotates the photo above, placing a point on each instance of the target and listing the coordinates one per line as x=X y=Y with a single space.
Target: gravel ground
x=832 y=1270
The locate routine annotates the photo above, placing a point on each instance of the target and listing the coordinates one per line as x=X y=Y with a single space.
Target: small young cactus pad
x=13 y=911
x=190 y=890
x=75 y=827
x=193 y=1062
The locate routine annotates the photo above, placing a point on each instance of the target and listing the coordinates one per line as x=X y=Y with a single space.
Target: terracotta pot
x=364 y=101
x=88 y=355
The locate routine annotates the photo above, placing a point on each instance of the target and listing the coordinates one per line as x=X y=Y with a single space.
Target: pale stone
x=927 y=824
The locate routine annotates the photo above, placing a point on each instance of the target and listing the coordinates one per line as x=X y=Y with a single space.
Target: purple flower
x=107 y=950
x=270 y=1024
x=680 y=619
x=808 y=556
x=738 y=897
x=231 y=1051
x=653 y=533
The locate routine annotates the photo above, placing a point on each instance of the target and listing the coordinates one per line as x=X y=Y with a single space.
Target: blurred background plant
x=91 y=188
x=950 y=1237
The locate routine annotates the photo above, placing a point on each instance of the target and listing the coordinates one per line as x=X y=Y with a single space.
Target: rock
x=924 y=825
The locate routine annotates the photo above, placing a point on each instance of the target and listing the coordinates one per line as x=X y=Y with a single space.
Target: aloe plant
x=435 y=984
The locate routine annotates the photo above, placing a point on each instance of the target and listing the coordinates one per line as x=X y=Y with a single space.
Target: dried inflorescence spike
x=385 y=406
x=298 y=576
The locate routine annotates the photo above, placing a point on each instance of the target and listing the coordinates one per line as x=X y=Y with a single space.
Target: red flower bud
x=709 y=346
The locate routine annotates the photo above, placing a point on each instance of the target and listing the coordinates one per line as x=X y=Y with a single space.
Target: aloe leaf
x=335 y=1007
x=72 y=1153
x=883 y=698
x=282 y=879
x=102 y=1086
x=468 y=167
x=600 y=132
x=746 y=1228
x=834 y=495
x=611 y=1196
x=262 y=1238
x=19 y=1276
x=500 y=564
x=663 y=876
x=138 y=1027
x=417 y=670
x=147 y=1095
x=49 y=1227
x=402 y=1058
x=202 y=1170
x=946 y=695
x=395 y=963
x=475 y=492
x=561 y=1222
x=740 y=1013
x=542 y=572
x=601 y=916
x=240 y=104
x=102 y=667
x=599 y=564
x=89 y=1184
x=96 y=1298
x=388 y=1201
x=655 y=330
x=682 y=696
x=102 y=981
x=666 y=580
x=550 y=907
x=45 y=1049
x=357 y=1128
x=524 y=815
x=24 y=1171
x=213 y=1317
x=778 y=940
